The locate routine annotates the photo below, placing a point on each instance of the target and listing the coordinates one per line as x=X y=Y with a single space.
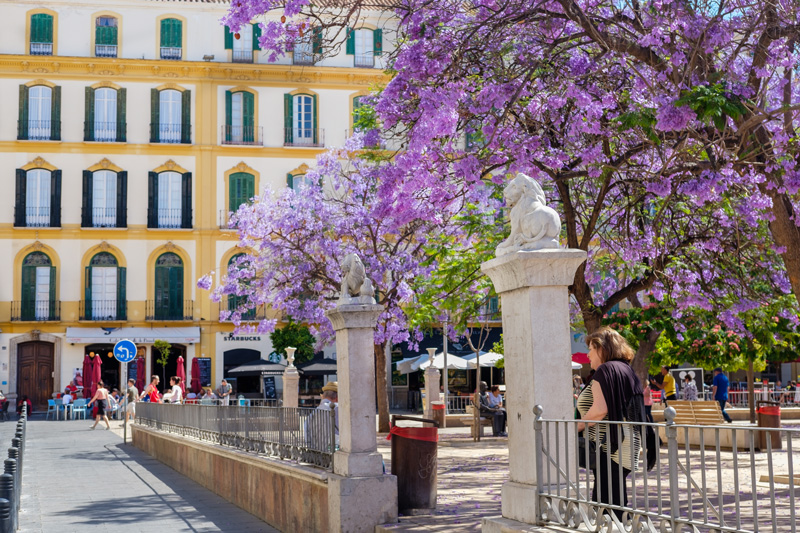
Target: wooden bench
x=474 y=420
x=703 y=413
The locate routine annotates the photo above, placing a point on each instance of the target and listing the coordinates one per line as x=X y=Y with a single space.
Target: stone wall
x=286 y=496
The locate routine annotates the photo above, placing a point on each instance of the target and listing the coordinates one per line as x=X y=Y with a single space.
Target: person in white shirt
x=66 y=399
x=175 y=395
x=495 y=399
x=317 y=435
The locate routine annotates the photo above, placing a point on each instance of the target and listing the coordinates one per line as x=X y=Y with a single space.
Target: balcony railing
x=37 y=130
x=304 y=137
x=36 y=311
x=170 y=133
x=41 y=49
x=231 y=303
x=242 y=56
x=364 y=61
x=107 y=132
x=169 y=218
x=37 y=217
x=103 y=310
x=169 y=52
x=101 y=217
x=243 y=135
x=164 y=309
x=303 y=58
x=105 y=50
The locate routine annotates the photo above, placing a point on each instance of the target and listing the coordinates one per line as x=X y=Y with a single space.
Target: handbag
x=583 y=445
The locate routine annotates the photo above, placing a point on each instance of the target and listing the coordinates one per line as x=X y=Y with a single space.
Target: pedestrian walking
x=132 y=394
x=224 y=392
x=175 y=395
x=667 y=385
x=719 y=387
x=689 y=389
x=151 y=393
x=101 y=398
x=648 y=403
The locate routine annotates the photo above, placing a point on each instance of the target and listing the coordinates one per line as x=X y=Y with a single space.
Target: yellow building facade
x=128 y=132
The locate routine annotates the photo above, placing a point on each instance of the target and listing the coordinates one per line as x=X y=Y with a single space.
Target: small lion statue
x=534 y=225
x=356 y=286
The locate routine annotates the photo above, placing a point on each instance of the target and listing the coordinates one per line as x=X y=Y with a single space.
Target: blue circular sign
x=125 y=351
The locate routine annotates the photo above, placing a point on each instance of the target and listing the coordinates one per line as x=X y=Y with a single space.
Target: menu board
x=270 y=393
x=205 y=371
x=133 y=370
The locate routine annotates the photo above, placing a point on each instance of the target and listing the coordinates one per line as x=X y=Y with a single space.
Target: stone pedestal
x=535 y=305
x=291 y=387
x=360 y=495
x=432 y=377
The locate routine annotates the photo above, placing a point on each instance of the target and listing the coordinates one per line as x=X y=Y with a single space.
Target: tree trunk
x=646 y=347
x=381 y=389
x=751 y=391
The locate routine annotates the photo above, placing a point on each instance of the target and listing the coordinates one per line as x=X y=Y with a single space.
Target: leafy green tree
x=297 y=336
x=163 y=348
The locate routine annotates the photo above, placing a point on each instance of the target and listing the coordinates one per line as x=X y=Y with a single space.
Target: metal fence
x=294 y=434
x=729 y=478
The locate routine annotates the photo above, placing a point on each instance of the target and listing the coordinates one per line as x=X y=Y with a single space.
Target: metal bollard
x=5 y=516
x=11 y=468
x=16 y=444
x=7 y=492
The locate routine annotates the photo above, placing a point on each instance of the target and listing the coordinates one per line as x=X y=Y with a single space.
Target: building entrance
x=35 y=361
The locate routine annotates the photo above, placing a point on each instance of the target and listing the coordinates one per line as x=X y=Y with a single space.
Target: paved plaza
x=75 y=479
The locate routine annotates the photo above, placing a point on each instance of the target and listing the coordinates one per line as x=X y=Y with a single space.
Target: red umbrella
x=97 y=373
x=580 y=357
x=87 y=376
x=181 y=373
x=140 y=371
x=196 y=387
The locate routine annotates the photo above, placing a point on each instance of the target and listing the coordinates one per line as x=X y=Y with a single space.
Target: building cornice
x=93 y=68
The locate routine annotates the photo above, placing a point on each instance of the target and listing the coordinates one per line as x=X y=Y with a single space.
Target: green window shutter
x=41 y=28
x=122 y=199
x=186 y=200
x=22 y=126
x=21 y=199
x=256 y=35
x=241 y=190
x=248 y=118
x=152 y=200
x=377 y=41
x=228 y=115
x=106 y=35
x=314 y=114
x=228 y=38
x=87 y=293
x=88 y=187
x=186 y=117
x=88 y=125
x=155 y=107
x=288 y=100
x=55 y=199
x=55 y=115
x=317 y=40
x=290 y=180
x=121 y=125
x=51 y=315
x=122 y=298
x=171 y=33
x=350 y=46
x=28 y=304
x=176 y=292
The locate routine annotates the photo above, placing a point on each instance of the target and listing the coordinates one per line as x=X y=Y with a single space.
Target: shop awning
x=188 y=335
x=318 y=367
x=257 y=368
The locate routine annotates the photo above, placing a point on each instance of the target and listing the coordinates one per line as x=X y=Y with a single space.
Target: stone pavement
x=75 y=479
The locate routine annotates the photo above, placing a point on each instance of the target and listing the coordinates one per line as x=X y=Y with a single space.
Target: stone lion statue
x=356 y=286
x=534 y=225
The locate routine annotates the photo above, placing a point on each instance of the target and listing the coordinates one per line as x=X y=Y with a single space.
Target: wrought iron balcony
x=247 y=135
x=101 y=217
x=99 y=310
x=171 y=52
x=41 y=49
x=166 y=310
x=168 y=218
x=36 y=311
x=36 y=217
x=364 y=61
x=305 y=137
x=170 y=133
x=105 y=50
x=242 y=56
x=38 y=130
x=303 y=58
x=108 y=132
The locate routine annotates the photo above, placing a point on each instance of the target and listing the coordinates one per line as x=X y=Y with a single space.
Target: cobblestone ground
x=75 y=479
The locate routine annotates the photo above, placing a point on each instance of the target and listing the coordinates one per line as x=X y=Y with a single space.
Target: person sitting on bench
x=498 y=414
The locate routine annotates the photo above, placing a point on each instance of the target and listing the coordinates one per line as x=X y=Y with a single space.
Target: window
x=38 y=288
x=241 y=190
x=364 y=44
x=105 y=194
x=170 y=200
x=300 y=120
x=298 y=181
x=171 y=39
x=307 y=48
x=104 y=287
x=234 y=302
x=170 y=120
x=39 y=113
x=168 y=303
x=38 y=199
x=105 y=37
x=105 y=115
x=243 y=43
x=41 y=35
x=240 y=119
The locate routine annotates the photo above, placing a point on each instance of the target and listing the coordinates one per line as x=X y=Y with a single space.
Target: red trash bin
x=769 y=416
x=414 y=462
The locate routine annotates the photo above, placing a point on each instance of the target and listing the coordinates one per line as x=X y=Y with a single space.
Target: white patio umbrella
x=576 y=366
x=488 y=359
x=404 y=365
x=454 y=362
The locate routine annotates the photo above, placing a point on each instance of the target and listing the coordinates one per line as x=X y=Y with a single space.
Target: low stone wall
x=288 y=497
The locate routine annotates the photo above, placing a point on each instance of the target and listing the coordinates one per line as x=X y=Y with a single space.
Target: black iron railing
x=170 y=133
x=105 y=50
x=38 y=130
x=171 y=52
x=103 y=310
x=41 y=49
x=307 y=137
x=169 y=218
x=242 y=56
x=101 y=217
x=104 y=131
x=364 y=61
x=303 y=58
x=36 y=311
x=37 y=217
x=164 y=309
x=243 y=135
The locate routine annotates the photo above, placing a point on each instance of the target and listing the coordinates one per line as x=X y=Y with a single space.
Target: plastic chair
x=79 y=406
x=51 y=408
x=206 y=401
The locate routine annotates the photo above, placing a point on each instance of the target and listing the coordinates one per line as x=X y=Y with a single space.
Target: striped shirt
x=585 y=401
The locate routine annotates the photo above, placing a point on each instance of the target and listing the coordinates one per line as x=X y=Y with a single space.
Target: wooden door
x=35 y=375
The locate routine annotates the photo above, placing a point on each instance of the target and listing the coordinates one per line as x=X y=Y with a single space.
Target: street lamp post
x=444 y=372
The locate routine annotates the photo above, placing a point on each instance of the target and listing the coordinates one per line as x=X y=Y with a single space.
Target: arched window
x=104 y=289
x=243 y=42
x=170 y=200
x=297 y=181
x=105 y=115
x=364 y=44
x=304 y=119
x=235 y=301
x=170 y=120
x=39 y=113
x=105 y=197
x=240 y=118
x=241 y=190
x=171 y=38
x=38 y=288
x=105 y=37
x=38 y=198
x=168 y=304
x=41 y=35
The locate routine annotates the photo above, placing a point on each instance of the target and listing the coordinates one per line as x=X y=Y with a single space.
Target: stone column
x=535 y=305
x=432 y=379
x=291 y=381
x=360 y=495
